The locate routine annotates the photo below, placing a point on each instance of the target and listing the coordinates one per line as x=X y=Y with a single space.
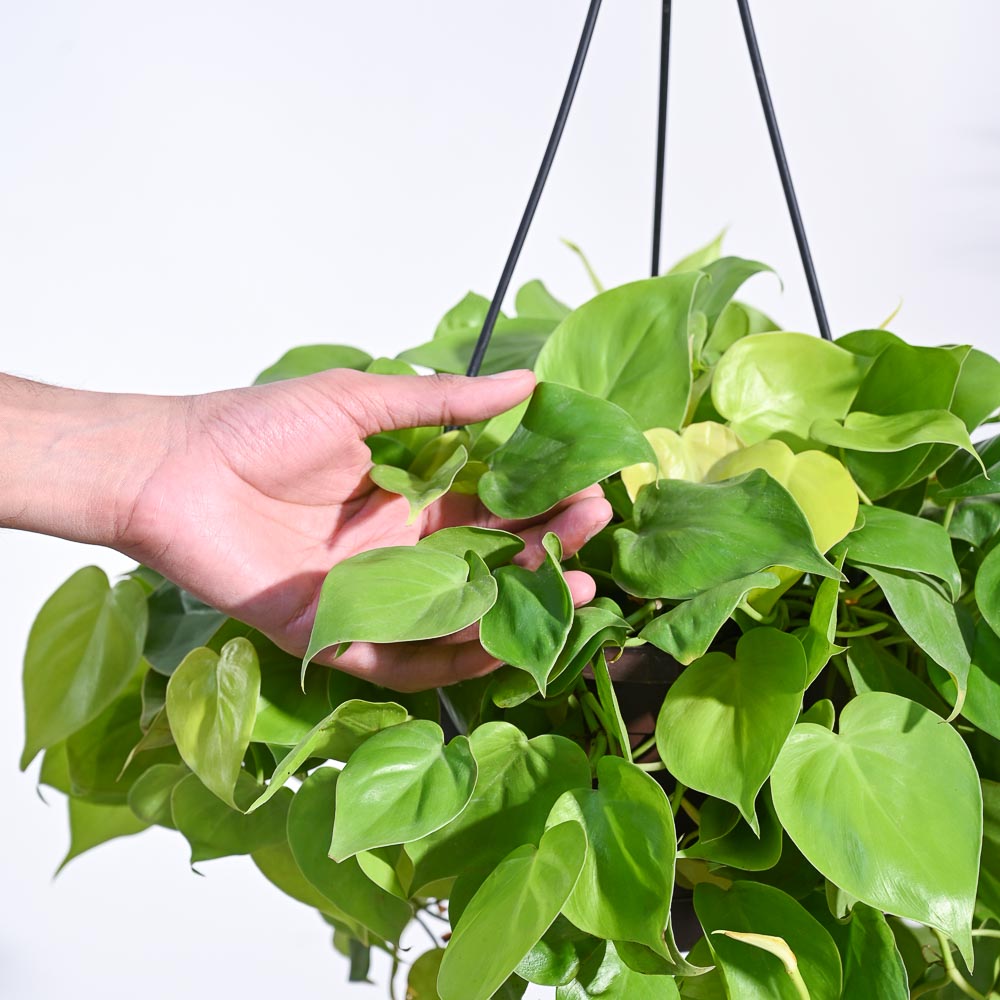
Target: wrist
x=74 y=461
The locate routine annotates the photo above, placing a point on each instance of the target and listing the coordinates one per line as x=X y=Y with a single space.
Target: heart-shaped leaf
x=311 y=820
x=493 y=546
x=518 y=782
x=782 y=382
x=83 y=648
x=617 y=345
x=411 y=784
x=528 y=625
x=724 y=720
x=335 y=737
x=687 y=630
x=821 y=486
x=686 y=538
x=858 y=807
x=535 y=300
x=211 y=703
x=430 y=475
x=510 y=912
x=755 y=968
x=566 y=441
x=400 y=594
x=626 y=883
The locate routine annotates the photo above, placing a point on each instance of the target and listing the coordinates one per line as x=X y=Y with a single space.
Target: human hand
x=253 y=494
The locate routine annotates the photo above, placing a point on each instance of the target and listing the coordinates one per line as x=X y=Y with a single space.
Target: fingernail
x=520 y=373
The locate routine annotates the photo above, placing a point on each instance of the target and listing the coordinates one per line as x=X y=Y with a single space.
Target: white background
x=188 y=189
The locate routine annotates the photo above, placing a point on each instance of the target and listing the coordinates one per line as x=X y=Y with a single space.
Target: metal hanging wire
x=767 y=105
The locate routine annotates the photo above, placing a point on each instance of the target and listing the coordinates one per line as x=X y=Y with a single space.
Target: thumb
x=393 y=402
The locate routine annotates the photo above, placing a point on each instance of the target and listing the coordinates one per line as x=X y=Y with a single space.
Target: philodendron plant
x=805 y=540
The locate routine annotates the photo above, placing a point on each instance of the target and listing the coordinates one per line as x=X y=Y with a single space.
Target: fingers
x=392 y=402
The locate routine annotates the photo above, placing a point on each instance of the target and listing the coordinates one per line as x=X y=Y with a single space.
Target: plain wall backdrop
x=189 y=189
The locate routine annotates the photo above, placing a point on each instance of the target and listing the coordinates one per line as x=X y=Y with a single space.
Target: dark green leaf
x=857 y=806
x=493 y=546
x=988 y=590
x=566 y=441
x=982 y=696
x=874 y=668
x=286 y=713
x=83 y=648
x=150 y=795
x=962 y=476
x=411 y=785
x=178 y=623
x=556 y=958
x=606 y=976
x=687 y=538
x=724 y=839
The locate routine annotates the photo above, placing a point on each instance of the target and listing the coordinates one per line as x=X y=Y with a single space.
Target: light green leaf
x=988 y=590
x=311 y=819
x=962 y=475
x=609 y=704
x=606 y=976
x=617 y=346
x=515 y=344
x=819 y=484
x=686 y=631
x=566 y=441
x=686 y=538
x=724 y=839
x=857 y=805
x=896 y=540
x=83 y=648
x=822 y=713
x=982 y=698
x=736 y=321
x=535 y=300
x=861 y=431
x=724 y=720
x=214 y=830
x=818 y=637
x=594 y=626
x=626 y=883
x=556 y=958
x=149 y=798
x=594 y=280
x=929 y=619
x=513 y=908
x=700 y=258
x=874 y=668
x=783 y=382
x=211 y=703
x=723 y=279
x=286 y=713
x=977 y=392
x=519 y=781
x=277 y=864
x=421 y=983
x=335 y=737
x=493 y=546
x=528 y=625
x=301 y=361
x=431 y=474
x=749 y=970
x=400 y=594
x=91 y=825
x=410 y=783
x=467 y=316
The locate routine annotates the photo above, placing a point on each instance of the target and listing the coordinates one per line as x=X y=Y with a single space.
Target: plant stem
x=948 y=512
x=676 y=797
x=595 y=706
x=646 y=609
x=751 y=612
x=799 y=983
x=867 y=584
x=953 y=974
x=867 y=630
x=657 y=765
x=691 y=811
x=430 y=933
x=643 y=748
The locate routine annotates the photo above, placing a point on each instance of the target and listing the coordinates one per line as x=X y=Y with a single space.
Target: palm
x=272 y=489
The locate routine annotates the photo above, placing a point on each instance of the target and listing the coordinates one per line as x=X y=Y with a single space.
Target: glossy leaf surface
x=567 y=440
x=858 y=806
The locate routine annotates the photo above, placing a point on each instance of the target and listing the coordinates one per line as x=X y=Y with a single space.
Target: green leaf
x=421 y=983
x=609 y=705
x=400 y=594
x=989 y=874
x=91 y=825
x=736 y=321
x=818 y=483
x=565 y=442
x=556 y=958
x=724 y=720
x=606 y=976
x=301 y=361
x=335 y=737
x=214 y=830
x=286 y=713
x=977 y=393
x=311 y=819
x=626 y=883
x=724 y=839
x=929 y=619
x=687 y=630
x=752 y=973
x=178 y=623
x=534 y=299
x=988 y=589
x=515 y=344
x=982 y=697
x=431 y=474
x=511 y=911
x=783 y=382
x=686 y=538
x=411 y=784
x=818 y=637
x=149 y=798
x=874 y=668
x=528 y=625
x=896 y=540
x=519 y=780
x=211 y=703
x=724 y=278
x=493 y=546
x=700 y=258
x=467 y=316
x=83 y=648
x=597 y=625
x=858 y=807
x=617 y=346
x=962 y=476
x=862 y=431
